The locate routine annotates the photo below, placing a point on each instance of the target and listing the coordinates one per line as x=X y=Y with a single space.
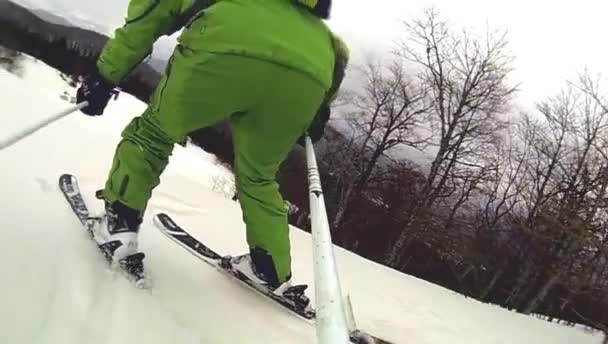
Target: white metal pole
x=30 y=130
x=330 y=320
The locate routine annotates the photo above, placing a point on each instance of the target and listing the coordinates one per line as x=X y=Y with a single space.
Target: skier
x=271 y=67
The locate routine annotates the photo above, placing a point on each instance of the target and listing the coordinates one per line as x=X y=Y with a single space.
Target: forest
x=507 y=206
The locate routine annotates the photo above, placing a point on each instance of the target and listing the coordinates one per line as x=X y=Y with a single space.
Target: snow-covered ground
x=57 y=289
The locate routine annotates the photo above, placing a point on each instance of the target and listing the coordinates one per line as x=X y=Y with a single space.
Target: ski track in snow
x=56 y=287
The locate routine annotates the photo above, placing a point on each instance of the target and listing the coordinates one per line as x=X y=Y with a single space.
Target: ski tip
x=67 y=178
x=165 y=219
x=360 y=337
x=68 y=183
x=165 y=222
x=158 y=218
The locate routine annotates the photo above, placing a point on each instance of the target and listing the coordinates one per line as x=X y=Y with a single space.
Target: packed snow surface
x=57 y=289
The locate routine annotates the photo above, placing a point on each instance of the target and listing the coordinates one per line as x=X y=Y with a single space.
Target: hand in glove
x=95 y=90
x=317 y=127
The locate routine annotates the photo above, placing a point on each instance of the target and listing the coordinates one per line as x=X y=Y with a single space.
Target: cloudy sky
x=551 y=40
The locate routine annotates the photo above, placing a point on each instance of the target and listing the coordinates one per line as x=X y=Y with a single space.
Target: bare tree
x=500 y=195
x=386 y=114
x=503 y=190
x=517 y=213
x=563 y=187
x=468 y=88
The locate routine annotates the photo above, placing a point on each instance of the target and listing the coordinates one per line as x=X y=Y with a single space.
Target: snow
x=56 y=287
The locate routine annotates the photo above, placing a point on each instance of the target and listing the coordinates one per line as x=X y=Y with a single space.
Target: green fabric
x=269 y=107
x=274 y=30
x=221 y=69
x=146 y=21
x=139 y=160
x=309 y=3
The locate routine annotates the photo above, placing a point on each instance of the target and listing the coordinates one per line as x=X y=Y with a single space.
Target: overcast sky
x=551 y=40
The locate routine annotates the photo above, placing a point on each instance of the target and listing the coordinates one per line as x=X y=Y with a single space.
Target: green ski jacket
x=279 y=31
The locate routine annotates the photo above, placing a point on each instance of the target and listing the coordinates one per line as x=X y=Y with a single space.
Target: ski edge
x=172 y=230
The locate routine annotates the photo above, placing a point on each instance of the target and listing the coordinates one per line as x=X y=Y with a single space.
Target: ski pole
x=32 y=129
x=330 y=318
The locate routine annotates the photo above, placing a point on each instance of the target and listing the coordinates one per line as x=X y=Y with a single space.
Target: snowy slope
x=56 y=288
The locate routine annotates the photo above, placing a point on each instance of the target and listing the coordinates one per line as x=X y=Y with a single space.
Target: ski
x=178 y=234
x=132 y=266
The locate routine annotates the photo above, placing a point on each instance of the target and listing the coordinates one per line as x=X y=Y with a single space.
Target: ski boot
x=258 y=267
x=115 y=232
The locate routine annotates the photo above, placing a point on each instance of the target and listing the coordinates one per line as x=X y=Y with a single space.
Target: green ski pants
x=269 y=106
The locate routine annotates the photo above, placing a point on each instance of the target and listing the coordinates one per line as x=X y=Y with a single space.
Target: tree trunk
x=342 y=207
x=542 y=293
x=484 y=293
x=522 y=279
x=394 y=253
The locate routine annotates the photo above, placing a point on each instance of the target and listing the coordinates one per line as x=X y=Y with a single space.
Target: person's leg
x=140 y=158
x=263 y=137
x=192 y=94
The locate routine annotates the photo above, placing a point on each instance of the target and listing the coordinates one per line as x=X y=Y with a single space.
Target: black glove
x=317 y=127
x=95 y=90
